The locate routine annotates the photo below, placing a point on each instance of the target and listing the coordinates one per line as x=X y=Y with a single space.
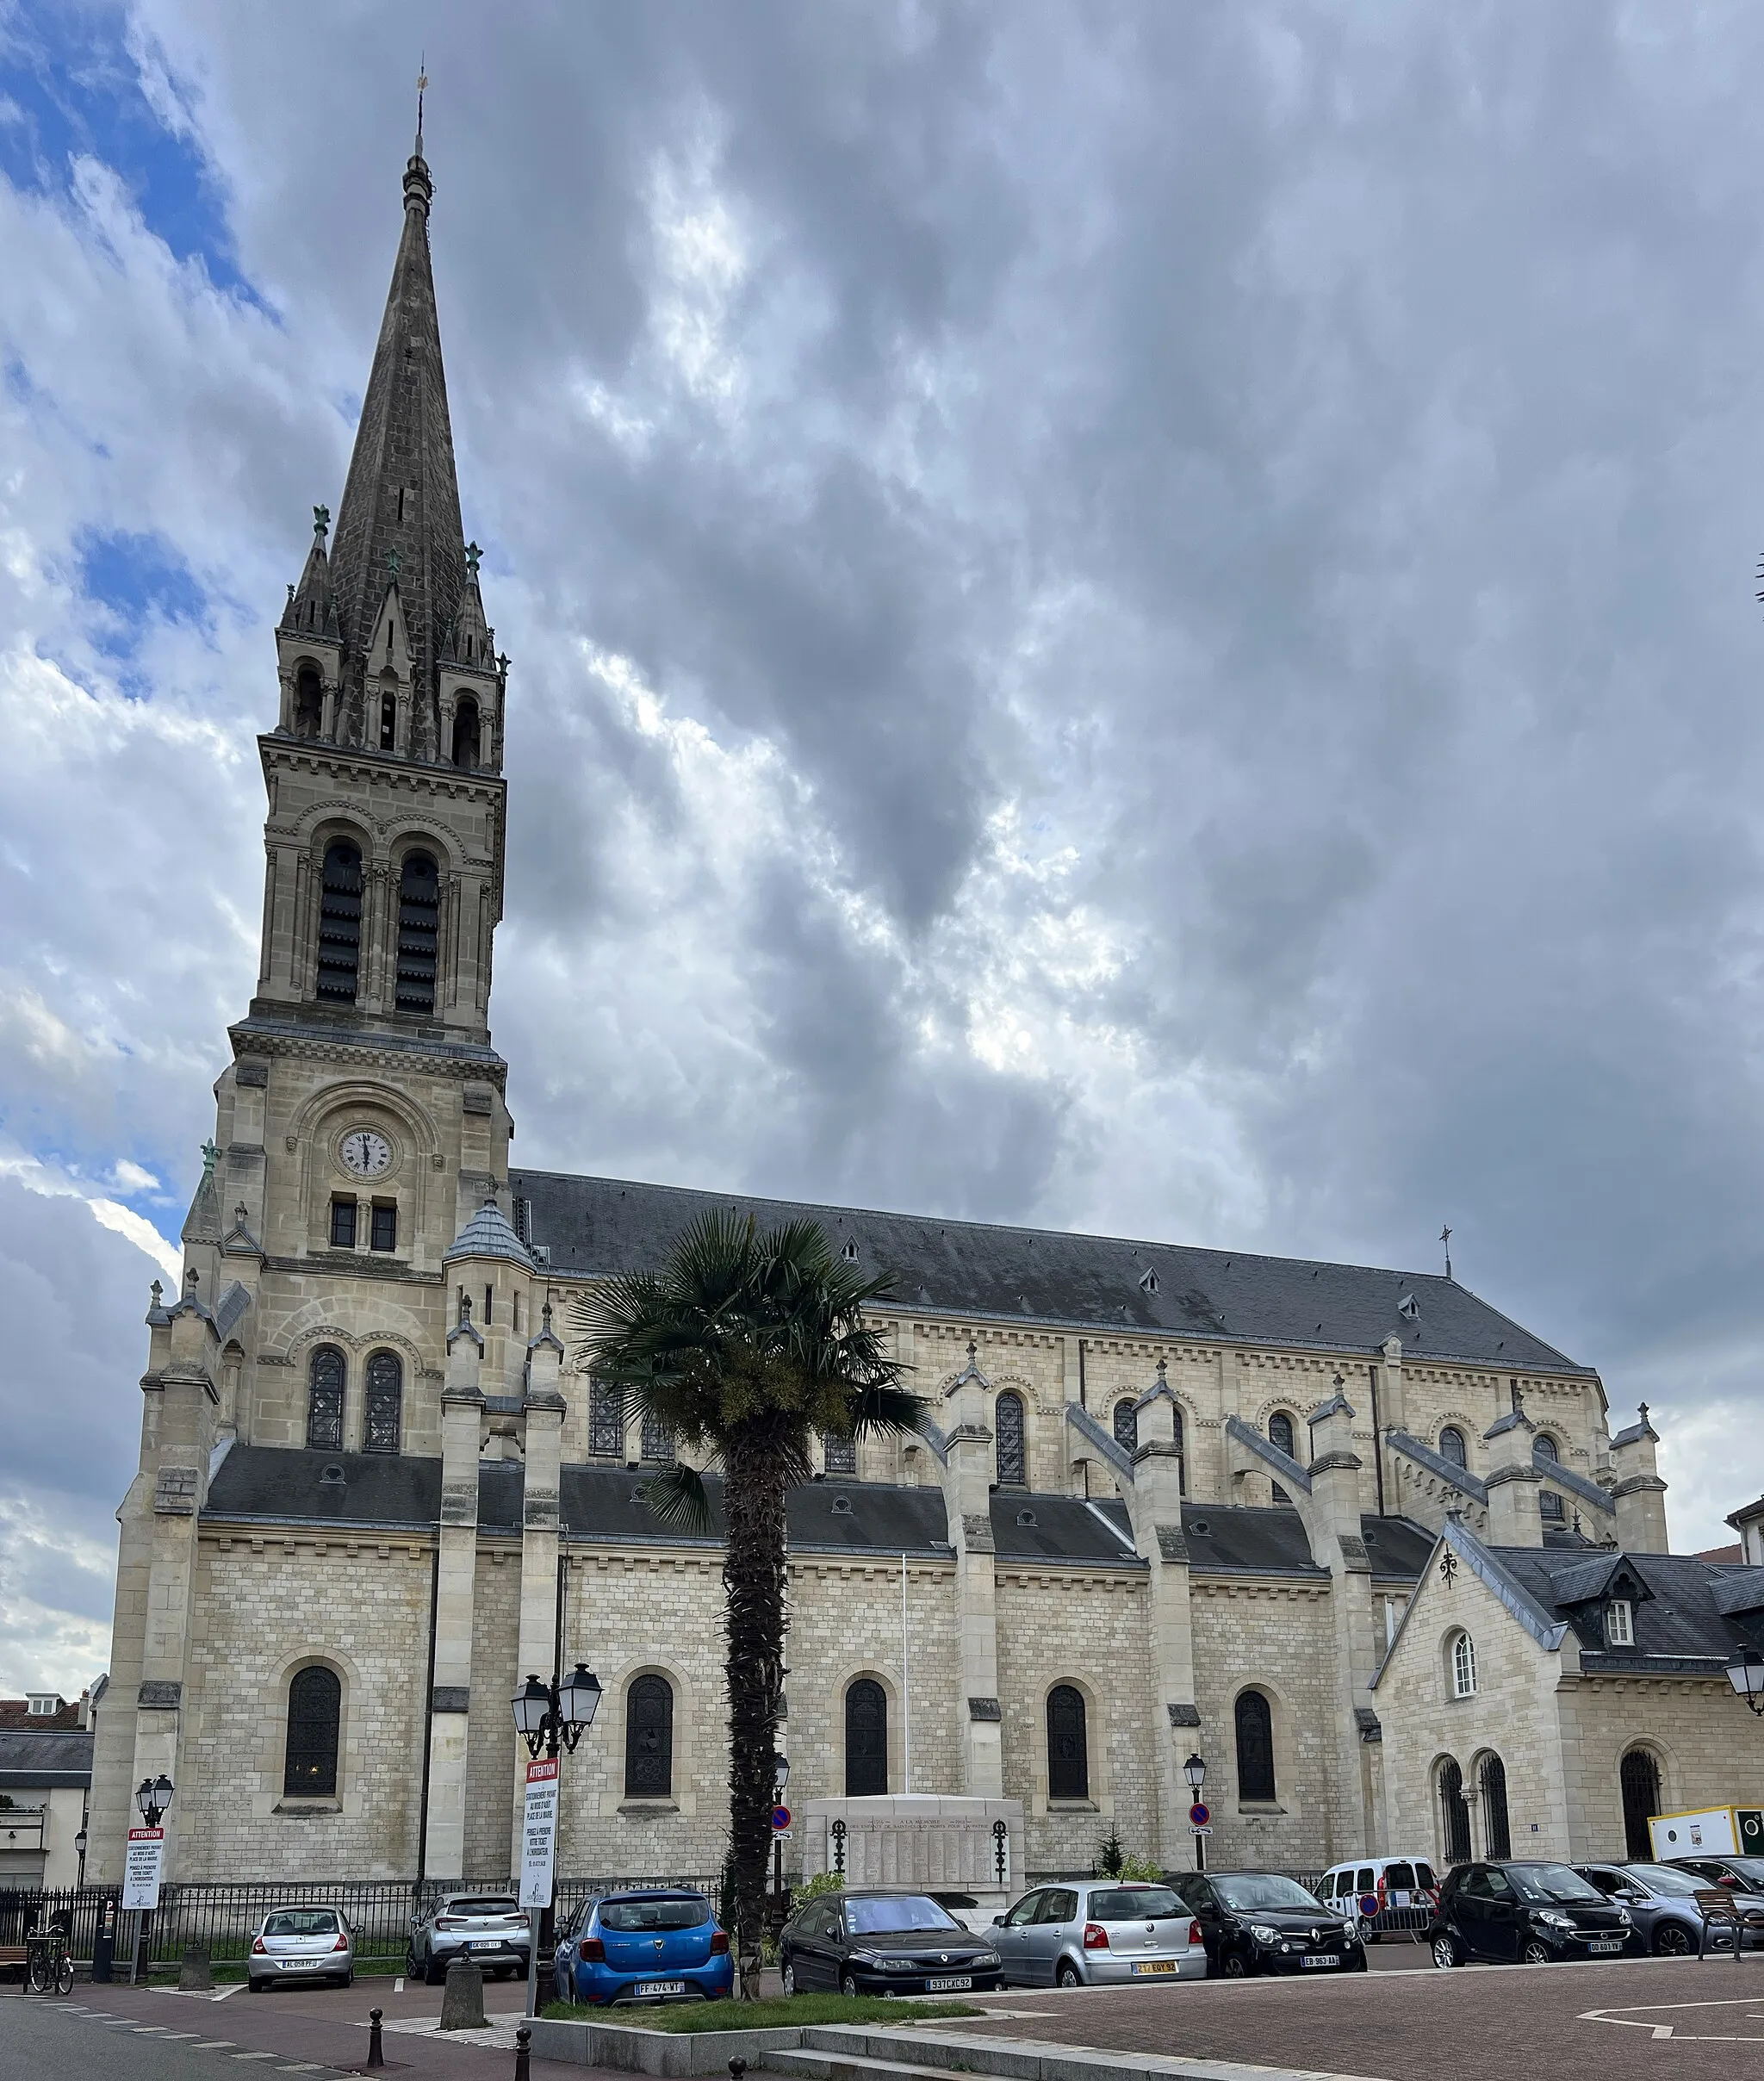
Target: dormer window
x=1620 y=1624
x=42 y=1704
x=1148 y=1281
x=850 y=1252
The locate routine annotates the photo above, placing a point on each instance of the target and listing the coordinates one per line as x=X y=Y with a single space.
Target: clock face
x=365 y=1153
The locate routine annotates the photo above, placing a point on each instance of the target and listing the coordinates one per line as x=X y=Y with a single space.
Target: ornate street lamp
x=1746 y=1673
x=153 y=1797
x=1194 y=1770
x=780 y=1778
x=547 y=1716
x=781 y=1775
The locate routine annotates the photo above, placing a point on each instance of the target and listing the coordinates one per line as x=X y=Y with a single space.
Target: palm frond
x=679 y=1498
x=889 y=1412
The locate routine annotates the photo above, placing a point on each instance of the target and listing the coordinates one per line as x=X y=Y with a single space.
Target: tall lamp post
x=1194 y=1770
x=152 y=1799
x=1746 y=1673
x=550 y=1716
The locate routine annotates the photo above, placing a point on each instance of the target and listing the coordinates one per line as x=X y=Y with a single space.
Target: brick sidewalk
x=1459 y=2026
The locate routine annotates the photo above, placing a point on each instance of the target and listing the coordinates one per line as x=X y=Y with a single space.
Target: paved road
x=1628 y=2020
x=154 y=2035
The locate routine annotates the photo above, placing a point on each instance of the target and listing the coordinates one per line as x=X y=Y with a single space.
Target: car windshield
x=1263 y=1890
x=302 y=1922
x=1751 y=1869
x=499 y=1903
x=1552 y=1882
x=654 y=1914
x=1662 y=1879
x=916 y=1912
x=1135 y=1903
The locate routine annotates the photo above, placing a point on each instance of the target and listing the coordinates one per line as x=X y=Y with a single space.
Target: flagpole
x=906 y=1706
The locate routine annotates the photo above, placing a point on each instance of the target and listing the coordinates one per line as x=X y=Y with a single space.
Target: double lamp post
x=552 y=1717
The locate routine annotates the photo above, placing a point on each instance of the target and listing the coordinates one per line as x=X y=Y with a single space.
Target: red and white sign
x=141 y=1871
x=539 y=1844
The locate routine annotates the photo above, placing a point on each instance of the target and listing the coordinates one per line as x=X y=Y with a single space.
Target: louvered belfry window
x=1068 y=1748
x=385 y=1401
x=1012 y=1445
x=325 y=1400
x=649 y=1739
x=314 y=1712
x=341 y=924
x=418 y=931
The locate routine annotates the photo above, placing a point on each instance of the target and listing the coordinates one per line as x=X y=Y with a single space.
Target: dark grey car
x=1663 y=1904
x=490 y=1928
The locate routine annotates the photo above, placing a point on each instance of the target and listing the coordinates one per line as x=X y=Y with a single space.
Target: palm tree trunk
x=754 y=1578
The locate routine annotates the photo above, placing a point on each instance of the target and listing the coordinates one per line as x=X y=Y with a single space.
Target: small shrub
x=812 y=1889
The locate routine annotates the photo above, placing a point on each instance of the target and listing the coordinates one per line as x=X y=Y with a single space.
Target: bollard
x=522 y=2042
x=736 y=2069
x=462 y=1999
x=196 y=1974
x=376 y=2053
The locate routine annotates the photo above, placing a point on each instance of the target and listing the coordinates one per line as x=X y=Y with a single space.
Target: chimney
x=1515 y=1518
x=1638 y=1492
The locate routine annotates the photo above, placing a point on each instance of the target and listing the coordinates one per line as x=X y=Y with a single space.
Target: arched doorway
x=1639 y=1776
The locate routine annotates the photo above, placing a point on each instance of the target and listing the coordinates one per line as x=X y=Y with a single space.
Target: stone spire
x=399 y=525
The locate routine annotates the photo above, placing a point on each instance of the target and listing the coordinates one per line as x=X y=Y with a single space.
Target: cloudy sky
x=1129 y=616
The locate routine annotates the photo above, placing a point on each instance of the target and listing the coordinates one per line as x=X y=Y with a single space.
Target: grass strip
x=805 y=2009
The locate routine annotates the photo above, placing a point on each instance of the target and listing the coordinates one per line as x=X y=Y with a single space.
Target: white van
x=1404 y=1888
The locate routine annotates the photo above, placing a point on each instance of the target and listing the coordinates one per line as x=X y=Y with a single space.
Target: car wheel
x=1068 y=1975
x=257 y=1986
x=431 y=1976
x=788 y=1976
x=848 y=1984
x=1445 y=1951
x=1537 y=1953
x=1235 y=1965
x=1673 y=1939
x=410 y=1963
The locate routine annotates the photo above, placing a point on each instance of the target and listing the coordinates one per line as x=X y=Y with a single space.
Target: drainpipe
x=1377 y=1438
x=1083 y=1404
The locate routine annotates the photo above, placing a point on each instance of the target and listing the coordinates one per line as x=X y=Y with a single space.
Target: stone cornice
x=350 y=762
x=387 y=1052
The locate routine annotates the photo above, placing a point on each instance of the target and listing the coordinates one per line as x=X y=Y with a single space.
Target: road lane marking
x=215 y=2045
x=254 y=2055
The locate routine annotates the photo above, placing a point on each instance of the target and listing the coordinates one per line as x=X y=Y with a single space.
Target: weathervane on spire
x=321 y=521
x=1446 y=1238
x=472 y=554
x=422 y=87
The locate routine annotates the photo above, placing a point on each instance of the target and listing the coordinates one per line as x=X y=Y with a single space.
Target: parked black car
x=1264 y=1922
x=1533 y=1913
x=883 y=1943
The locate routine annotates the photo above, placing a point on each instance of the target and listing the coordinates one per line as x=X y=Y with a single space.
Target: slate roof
x=599 y=1502
x=599 y=1225
x=487 y=1234
x=1680 y=1628
x=43 y=1761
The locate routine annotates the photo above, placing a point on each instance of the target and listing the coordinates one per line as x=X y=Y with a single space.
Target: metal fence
x=222 y=1917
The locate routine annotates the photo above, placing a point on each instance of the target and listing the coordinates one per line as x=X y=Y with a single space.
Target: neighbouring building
x=46 y=1777
x=1171 y=1500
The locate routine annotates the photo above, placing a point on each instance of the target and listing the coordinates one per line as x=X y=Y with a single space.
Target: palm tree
x=742 y=1345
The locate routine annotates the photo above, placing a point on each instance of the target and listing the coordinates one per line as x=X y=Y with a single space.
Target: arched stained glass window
x=314 y=1719
x=656 y=1444
x=606 y=1422
x=1498 y=1836
x=1549 y=1503
x=418 y=931
x=325 y=1378
x=1010 y=1429
x=1255 y=1746
x=1454 y=1813
x=1452 y=1446
x=1068 y=1748
x=339 y=922
x=649 y=1738
x=1126 y=1425
x=839 y=1454
x=866 y=1740
x=1284 y=1439
x=385 y=1402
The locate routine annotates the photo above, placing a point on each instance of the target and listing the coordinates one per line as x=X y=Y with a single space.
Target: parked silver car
x=1098 y=1932
x=303 y=1945
x=1663 y=1904
x=491 y=1928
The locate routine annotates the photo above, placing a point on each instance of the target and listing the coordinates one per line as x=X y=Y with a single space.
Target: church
x=1365 y=1546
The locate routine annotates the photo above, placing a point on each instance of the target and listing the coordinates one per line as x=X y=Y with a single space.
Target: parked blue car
x=660 y=1945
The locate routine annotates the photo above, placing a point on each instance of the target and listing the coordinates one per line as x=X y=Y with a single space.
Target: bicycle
x=48 y=1962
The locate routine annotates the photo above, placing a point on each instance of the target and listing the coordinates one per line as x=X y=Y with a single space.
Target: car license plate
x=1319 y=1958
x=1154 y=1964
x=486 y=1943
x=1606 y=1943
x=957 y=1983
x=663 y=1987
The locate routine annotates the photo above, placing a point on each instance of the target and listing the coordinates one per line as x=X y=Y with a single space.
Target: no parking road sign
x=780 y=1819
x=1199 y=1816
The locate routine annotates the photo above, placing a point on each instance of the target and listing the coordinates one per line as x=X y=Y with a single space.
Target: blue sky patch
x=135 y=579
x=70 y=87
